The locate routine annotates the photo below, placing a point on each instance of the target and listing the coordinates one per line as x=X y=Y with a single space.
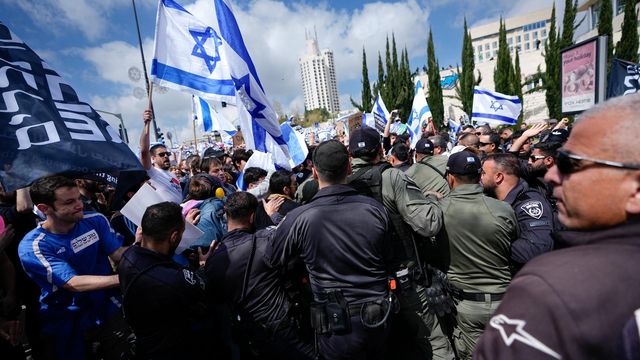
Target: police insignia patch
x=189 y=277
x=533 y=209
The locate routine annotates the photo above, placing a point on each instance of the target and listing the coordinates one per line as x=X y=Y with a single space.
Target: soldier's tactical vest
x=368 y=181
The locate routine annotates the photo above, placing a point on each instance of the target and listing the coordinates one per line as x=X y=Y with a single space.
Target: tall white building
x=527 y=33
x=318 y=73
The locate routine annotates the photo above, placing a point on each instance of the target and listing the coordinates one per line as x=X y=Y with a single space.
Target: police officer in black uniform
x=238 y=275
x=163 y=302
x=501 y=179
x=341 y=237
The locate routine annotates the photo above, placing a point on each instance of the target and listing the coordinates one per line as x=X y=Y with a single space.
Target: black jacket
x=342 y=238
x=571 y=303
x=164 y=305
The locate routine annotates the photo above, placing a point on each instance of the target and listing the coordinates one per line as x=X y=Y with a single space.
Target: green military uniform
x=428 y=174
x=480 y=230
x=403 y=200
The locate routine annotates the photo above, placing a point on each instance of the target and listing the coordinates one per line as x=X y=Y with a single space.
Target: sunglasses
x=569 y=163
x=163 y=154
x=483 y=143
x=534 y=158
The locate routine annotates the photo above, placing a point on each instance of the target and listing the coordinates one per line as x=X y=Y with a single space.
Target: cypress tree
x=516 y=83
x=434 y=98
x=387 y=89
x=605 y=27
x=467 y=80
x=407 y=87
x=551 y=78
x=628 y=49
x=504 y=70
x=568 y=19
x=377 y=88
x=396 y=70
x=367 y=103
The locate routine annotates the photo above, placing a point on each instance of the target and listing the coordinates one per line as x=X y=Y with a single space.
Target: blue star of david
x=495 y=105
x=254 y=107
x=201 y=37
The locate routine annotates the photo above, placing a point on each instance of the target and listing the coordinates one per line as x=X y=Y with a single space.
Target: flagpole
x=193 y=122
x=144 y=68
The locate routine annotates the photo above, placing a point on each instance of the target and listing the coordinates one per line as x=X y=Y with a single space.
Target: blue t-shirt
x=51 y=260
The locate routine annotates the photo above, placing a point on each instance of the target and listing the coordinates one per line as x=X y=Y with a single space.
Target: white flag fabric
x=495 y=108
x=297 y=146
x=419 y=113
x=188 y=55
x=212 y=119
x=380 y=113
x=211 y=60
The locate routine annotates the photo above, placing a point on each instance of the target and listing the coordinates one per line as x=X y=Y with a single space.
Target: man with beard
x=163 y=302
x=501 y=180
x=156 y=160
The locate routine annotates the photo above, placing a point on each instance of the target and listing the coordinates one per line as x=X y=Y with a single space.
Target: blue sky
x=93 y=43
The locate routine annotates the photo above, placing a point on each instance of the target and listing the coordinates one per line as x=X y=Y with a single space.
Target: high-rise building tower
x=319 y=77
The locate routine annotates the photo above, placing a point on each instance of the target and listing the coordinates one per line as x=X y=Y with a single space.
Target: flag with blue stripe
x=259 y=122
x=419 y=113
x=380 y=114
x=188 y=55
x=297 y=146
x=495 y=108
x=454 y=128
x=211 y=119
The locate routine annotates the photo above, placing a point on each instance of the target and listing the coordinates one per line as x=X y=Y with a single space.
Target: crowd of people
x=495 y=243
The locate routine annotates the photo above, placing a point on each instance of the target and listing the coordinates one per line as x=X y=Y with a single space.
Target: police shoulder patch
x=533 y=208
x=189 y=276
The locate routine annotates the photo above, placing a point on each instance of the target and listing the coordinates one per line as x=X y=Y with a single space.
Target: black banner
x=44 y=128
x=624 y=78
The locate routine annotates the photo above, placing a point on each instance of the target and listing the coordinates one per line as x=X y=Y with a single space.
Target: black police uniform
x=342 y=237
x=237 y=274
x=164 y=304
x=535 y=219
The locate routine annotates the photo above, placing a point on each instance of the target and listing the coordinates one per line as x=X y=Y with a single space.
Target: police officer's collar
x=333 y=190
x=466 y=189
x=513 y=194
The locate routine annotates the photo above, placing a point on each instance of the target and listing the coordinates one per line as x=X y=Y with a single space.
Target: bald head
x=616 y=126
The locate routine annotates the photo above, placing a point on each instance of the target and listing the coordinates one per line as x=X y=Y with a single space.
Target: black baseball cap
x=557 y=135
x=363 y=141
x=424 y=146
x=331 y=156
x=464 y=163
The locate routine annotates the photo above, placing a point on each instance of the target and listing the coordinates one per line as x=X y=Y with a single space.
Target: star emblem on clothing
x=201 y=38
x=496 y=105
x=512 y=330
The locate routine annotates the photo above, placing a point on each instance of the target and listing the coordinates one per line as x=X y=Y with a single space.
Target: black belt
x=481 y=297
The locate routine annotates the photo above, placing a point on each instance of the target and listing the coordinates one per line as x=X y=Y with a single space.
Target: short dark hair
x=161 y=219
x=494 y=139
x=548 y=148
x=209 y=161
x=42 y=191
x=155 y=147
x=199 y=188
x=240 y=205
x=241 y=154
x=253 y=174
x=401 y=151
x=507 y=163
x=466 y=179
x=193 y=162
x=279 y=180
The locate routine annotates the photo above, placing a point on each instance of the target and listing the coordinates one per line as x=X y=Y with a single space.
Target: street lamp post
x=124 y=135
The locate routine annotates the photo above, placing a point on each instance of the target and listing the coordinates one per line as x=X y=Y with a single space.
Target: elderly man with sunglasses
x=573 y=303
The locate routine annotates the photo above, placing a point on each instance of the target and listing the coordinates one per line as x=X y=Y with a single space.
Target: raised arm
x=145 y=157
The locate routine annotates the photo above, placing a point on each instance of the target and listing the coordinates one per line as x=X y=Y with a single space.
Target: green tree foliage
x=516 y=82
x=367 y=102
x=605 y=27
x=315 y=116
x=434 y=97
x=568 y=20
x=551 y=78
x=405 y=95
x=628 y=49
x=467 y=80
x=503 y=72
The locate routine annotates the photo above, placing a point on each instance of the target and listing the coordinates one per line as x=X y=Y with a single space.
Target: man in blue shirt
x=67 y=255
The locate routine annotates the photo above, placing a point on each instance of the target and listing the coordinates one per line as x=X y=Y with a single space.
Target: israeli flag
x=211 y=119
x=380 y=113
x=454 y=128
x=188 y=55
x=419 y=113
x=297 y=146
x=494 y=108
